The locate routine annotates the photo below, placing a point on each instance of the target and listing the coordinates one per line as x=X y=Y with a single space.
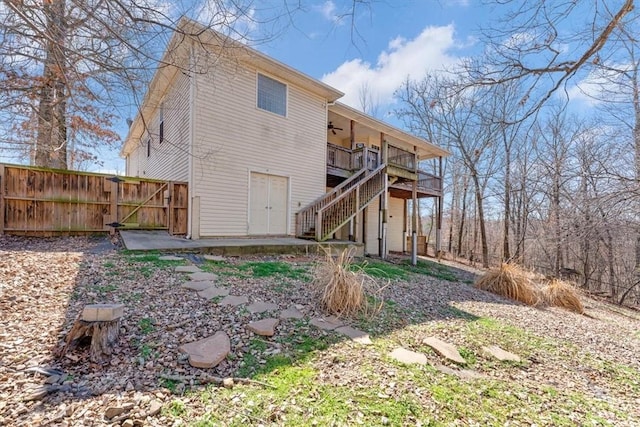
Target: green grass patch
x=433 y=269
x=146 y=325
x=274 y=268
x=175 y=408
x=381 y=270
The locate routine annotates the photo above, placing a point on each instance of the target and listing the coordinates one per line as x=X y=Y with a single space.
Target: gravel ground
x=44 y=283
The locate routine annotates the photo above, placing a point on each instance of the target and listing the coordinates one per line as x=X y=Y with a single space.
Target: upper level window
x=272 y=95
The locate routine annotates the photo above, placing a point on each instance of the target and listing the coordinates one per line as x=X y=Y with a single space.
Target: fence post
x=3 y=185
x=170 y=213
x=114 y=205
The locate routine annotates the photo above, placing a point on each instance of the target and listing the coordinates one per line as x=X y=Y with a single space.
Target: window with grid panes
x=272 y=95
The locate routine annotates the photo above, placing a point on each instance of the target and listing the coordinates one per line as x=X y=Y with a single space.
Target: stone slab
x=326 y=323
x=291 y=313
x=199 y=285
x=170 y=258
x=500 y=354
x=208 y=352
x=234 y=300
x=264 y=327
x=102 y=312
x=213 y=258
x=358 y=336
x=187 y=269
x=261 y=307
x=200 y=276
x=444 y=349
x=213 y=292
x=465 y=374
x=407 y=356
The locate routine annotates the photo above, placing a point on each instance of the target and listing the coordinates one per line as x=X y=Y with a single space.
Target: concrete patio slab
x=158 y=240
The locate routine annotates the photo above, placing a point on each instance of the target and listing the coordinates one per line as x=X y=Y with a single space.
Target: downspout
x=192 y=121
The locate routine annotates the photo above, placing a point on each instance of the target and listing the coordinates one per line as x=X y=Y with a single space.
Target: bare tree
x=537 y=44
x=71 y=68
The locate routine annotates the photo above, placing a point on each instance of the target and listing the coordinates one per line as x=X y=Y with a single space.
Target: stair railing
x=344 y=207
x=306 y=217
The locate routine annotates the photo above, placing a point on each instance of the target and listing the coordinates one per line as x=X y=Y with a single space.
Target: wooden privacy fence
x=38 y=201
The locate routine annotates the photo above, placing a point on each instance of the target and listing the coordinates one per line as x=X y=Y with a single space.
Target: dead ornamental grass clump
x=562 y=294
x=513 y=282
x=343 y=287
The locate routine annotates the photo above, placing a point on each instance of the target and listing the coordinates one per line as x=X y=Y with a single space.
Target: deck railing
x=365 y=156
x=427 y=183
x=338 y=157
x=401 y=158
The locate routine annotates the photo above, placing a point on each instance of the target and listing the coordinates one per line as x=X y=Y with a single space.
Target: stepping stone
x=500 y=354
x=234 y=300
x=407 y=356
x=170 y=258
x=291 y=313
x=264 y=327
x=326 y=323
x=356 y=335
x=199 y=285
x=213 y=292
x=465 y=374
x=444 y=349
x=213 y=257
x=261 y=307
x=187 y=269
x=199 y=276
x=208 y=352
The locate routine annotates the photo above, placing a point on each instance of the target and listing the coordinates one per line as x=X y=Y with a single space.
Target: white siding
x=234 y=138
x=169 y=159
x=395 y=227
x=371 y=222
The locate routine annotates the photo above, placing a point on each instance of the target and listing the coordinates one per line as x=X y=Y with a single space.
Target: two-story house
x=268 y=150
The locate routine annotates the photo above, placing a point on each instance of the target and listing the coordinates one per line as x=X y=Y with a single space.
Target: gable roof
x=176 y=58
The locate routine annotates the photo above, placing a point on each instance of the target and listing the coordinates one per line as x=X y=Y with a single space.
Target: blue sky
x=394 y=40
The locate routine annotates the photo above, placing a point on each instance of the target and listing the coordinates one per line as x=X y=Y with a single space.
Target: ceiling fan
x=333 y=128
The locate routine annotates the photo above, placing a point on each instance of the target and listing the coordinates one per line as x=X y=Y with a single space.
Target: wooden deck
x=342 y=163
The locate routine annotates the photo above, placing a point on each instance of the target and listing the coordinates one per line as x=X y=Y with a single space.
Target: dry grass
x=343 y=287
x=512 y=282
x=562 y=294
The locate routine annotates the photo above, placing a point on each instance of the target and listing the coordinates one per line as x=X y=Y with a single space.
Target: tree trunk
x=483 y=229
x=506 y=254
x=51 y=139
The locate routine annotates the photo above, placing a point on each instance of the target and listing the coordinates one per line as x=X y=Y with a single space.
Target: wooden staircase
x=325 y=215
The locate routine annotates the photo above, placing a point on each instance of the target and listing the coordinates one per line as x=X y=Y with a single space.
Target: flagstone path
x=210 y=351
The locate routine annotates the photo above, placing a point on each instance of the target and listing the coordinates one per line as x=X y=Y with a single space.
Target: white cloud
x=602 y=85
x=428 y=52
x=328 y=10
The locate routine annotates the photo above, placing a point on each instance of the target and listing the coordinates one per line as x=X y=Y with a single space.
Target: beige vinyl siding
x=395 y=227
x=371 y=246
x=233 y=138
x=170 y=159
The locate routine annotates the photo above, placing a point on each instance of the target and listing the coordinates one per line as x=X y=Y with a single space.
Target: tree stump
x=101 y=323
x=103 y=334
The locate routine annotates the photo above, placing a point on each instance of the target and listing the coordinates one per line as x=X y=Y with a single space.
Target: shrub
x=512 y=282
x=558 y=293
x=343 y=286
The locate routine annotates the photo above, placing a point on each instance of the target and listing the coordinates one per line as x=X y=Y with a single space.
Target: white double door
x=268 y=201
